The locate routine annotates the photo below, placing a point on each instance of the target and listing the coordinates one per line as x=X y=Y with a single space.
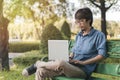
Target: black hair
x=84 y=13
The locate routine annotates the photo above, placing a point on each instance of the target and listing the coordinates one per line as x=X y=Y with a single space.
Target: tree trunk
x=103 y=22
x=103 y=17
x=3 y=41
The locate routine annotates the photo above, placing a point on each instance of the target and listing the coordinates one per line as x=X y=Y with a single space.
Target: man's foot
x=30 y=70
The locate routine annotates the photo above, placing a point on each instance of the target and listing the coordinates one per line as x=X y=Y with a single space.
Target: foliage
x=37 y=10
x=66 y=32
x=103 y=6
x=50 y=32
x=28 y=58
x=16 y=7
x=23 y=46
x=24 y=31
x=113 y=28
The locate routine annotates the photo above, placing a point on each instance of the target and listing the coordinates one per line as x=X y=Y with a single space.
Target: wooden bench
x=113 y=69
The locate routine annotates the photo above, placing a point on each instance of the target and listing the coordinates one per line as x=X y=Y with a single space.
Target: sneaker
x=30 y=70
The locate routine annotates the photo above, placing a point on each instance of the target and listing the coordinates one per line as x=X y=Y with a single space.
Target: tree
x=104 y=6
x=50 y=32
x=3 y=39
x=43 y=12
x=65 y=30
x=23 y=8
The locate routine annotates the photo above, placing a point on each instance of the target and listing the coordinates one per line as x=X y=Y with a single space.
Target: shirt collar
x=92 y=30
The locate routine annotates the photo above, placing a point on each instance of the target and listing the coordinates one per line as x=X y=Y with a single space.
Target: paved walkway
x=13 y=55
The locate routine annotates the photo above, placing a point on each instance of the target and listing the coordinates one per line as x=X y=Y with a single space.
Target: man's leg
x=59 y=67
x=43 y=73
x=71 y=70
x=40 y=64
x=29 y=70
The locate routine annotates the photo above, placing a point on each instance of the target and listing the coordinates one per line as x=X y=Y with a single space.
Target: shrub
x=23 y=46
x=50 y=32
x=66 y=32
x=28 y=58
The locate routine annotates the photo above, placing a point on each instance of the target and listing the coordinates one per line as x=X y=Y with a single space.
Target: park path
x=12 y=56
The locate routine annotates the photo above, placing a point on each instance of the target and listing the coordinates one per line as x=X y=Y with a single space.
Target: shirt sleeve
x=73 y=48
x=101 y=44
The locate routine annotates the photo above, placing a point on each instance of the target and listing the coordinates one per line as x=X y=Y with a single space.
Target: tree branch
x=93 y=2
x=114 y=2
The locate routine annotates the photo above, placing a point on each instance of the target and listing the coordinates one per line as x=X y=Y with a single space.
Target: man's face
x=82 y=24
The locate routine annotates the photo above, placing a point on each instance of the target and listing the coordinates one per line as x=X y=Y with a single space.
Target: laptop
x=58 y=50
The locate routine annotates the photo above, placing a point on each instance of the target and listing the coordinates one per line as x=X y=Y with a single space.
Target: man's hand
x=76 y=62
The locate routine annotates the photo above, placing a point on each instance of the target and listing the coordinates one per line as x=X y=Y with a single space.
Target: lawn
x=14 y=74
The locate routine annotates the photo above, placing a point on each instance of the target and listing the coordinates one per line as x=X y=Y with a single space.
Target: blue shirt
x=89 y=46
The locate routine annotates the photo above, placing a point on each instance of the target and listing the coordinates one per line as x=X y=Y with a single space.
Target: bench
x=113 y=69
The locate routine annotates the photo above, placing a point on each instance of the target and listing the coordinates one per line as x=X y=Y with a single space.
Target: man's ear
x=89 y=21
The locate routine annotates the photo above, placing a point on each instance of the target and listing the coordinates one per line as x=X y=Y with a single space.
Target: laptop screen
x=58 y=49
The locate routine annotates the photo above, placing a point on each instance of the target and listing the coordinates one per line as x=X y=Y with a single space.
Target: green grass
x=15 y=74
x=21 y=62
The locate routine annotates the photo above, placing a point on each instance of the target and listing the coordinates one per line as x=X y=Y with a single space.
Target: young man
x=89 y=48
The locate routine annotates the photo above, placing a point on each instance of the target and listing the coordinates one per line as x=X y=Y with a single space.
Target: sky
x=110 y=15
x=115 y=16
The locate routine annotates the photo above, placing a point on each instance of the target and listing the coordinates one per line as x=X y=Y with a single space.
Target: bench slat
x=66 y=78
x=113 y=48
x=108 y=69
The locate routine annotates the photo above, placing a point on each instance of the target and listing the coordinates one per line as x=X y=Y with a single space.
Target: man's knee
x=62 y=63
x=40 y=72
x=39 y=64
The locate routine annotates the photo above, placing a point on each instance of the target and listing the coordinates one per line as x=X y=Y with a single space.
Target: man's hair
x=84 y=13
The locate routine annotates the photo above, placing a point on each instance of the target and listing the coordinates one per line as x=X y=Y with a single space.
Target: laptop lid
x=58 y=49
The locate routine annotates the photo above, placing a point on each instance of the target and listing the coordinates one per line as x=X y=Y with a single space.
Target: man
x=89 y=48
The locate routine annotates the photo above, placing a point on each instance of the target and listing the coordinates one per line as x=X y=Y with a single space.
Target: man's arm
x=89 y=61
x=93 y=60
x=71 y=56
